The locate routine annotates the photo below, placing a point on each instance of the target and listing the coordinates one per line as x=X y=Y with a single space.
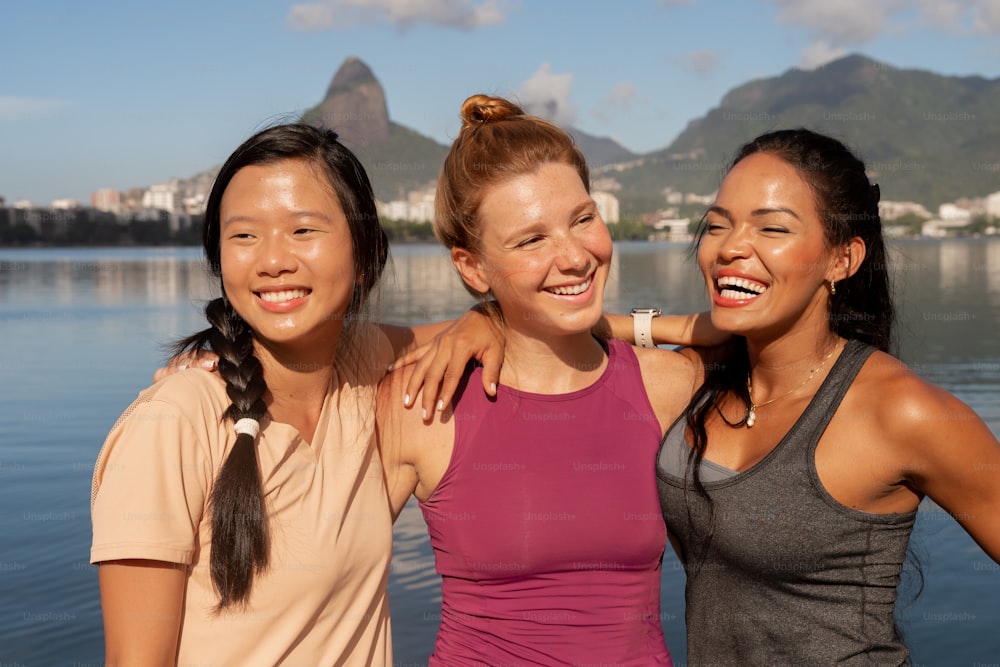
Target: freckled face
x=544 y=251
x=286 y=253
x=764 y=256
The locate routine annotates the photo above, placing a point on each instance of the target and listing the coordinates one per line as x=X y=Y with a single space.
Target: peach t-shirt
x=323 y=600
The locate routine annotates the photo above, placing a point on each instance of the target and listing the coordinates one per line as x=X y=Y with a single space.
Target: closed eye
x=528 y=241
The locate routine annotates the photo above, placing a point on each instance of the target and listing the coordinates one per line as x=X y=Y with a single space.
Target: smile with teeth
x=571 y=290
x=732 y=287
x=283 y=295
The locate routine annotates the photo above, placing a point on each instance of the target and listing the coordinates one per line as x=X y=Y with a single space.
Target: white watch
x=642 y=325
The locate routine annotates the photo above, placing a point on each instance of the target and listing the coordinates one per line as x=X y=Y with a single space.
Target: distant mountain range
x=925 y=137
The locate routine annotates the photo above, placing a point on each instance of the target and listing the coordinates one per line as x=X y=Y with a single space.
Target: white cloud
x=842 y=22
x=548 y=95
x=621 y=99
x=622 y=96
x=847 y=23
x=29 y=108
x=820 y=53
x=463 y=14
x=962 y=16
x=701 y=62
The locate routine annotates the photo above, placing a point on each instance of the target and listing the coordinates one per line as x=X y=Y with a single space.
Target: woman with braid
x=241 y=518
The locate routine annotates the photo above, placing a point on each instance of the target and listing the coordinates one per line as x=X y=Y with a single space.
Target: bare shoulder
x=670 y=379
x=908 y=409
x=404 y=427
x=665 y=361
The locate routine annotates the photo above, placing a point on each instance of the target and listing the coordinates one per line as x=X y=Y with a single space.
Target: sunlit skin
x=764 y=234
x=287 y=257
x=895 y=438
x=540 y=234
x=544 y=254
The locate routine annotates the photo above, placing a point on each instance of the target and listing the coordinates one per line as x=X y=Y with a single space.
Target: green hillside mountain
x=397 y=158
x=924 y=137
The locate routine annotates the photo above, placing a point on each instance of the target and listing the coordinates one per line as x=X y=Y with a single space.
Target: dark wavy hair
x=240 y=536
x=862 y=308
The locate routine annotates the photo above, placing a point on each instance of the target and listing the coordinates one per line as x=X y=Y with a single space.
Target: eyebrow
x=298 y=214
x=754 y=213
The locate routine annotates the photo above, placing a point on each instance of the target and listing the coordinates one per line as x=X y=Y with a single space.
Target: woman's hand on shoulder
x=438 y=366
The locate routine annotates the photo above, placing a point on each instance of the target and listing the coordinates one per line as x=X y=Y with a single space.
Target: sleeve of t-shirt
x=151 y=485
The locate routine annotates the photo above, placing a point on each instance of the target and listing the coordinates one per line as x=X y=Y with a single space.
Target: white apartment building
x=993 y=206
x=607 y=206
x=893 y=210
x=163 y=197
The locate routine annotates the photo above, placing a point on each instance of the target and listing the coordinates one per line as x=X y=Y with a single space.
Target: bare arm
x=695 y=329
x=440 y=363
x=440 y=352
x=142 y=603
x=953 y=458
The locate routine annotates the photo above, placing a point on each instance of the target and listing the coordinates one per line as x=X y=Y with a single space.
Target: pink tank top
x=546 y=527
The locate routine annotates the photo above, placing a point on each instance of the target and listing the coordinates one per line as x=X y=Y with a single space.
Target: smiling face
x=543 y=252
x=286 y=254
x=764 y=255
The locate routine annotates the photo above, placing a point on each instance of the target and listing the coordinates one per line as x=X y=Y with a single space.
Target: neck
x=297 y=377
x=556 y=365
x=779 y=364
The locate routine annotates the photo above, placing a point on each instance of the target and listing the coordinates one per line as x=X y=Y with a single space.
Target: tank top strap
x=828 y=397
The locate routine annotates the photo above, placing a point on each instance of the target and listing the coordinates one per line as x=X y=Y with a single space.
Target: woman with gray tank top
x=791 y=483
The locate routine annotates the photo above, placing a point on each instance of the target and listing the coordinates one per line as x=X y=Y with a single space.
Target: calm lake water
x=81 y=333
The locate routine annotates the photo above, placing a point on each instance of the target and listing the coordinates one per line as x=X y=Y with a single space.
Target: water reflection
x=80 y=331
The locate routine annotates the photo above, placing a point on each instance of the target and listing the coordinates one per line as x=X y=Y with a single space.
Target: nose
x=734 y=243
x=573 y=255
x=276 y=256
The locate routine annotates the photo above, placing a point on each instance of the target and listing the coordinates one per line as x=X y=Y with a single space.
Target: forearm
x=693 y=329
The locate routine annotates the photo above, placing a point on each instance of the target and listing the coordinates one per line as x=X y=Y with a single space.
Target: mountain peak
x=354 y=106
x=352 y=72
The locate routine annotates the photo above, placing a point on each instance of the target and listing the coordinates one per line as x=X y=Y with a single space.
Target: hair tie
x=248 y=426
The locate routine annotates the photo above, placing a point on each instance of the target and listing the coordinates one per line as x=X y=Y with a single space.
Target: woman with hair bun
x=242 y=518
x=540 y=502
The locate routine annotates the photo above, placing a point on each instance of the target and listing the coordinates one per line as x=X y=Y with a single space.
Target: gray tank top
x=789 y=576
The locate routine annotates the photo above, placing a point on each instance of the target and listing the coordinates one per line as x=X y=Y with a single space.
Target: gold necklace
x=751 y=416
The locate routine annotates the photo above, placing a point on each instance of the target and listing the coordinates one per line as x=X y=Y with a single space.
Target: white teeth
x=733 y=281
x=733 y=294
x=284 y=295
x=574 y=289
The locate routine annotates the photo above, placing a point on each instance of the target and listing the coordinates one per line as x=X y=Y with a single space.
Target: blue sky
x=126 y=94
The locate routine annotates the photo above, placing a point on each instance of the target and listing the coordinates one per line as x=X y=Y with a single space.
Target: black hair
x=240 y=536
x=862 y=307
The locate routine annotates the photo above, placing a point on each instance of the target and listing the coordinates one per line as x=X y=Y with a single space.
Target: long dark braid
x=240 y=535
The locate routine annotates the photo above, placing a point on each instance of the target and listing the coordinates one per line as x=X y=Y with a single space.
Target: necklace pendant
x=751 y=416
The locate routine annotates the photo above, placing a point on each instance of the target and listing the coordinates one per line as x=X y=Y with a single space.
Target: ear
x=847 y=259
x=470 y=267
